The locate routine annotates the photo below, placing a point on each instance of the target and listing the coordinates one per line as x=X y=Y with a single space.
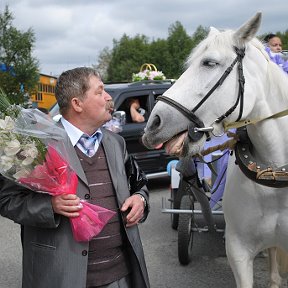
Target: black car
x=152 y=162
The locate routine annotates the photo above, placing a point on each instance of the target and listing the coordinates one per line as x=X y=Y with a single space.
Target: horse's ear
x=248 y=30
x=213 y=31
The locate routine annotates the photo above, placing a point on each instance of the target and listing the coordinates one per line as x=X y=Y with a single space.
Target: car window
x=155 y=98
x=143 y=110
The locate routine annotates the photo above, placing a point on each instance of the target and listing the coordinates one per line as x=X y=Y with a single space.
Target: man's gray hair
x=73 y=83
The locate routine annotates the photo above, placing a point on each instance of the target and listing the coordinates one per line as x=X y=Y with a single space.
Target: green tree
x=20 y=73
x=179 y=46
x=199 y=35
x=284 y=37
x=159 y=56
x=168 y=55
x=104 y=60
x=128 y=55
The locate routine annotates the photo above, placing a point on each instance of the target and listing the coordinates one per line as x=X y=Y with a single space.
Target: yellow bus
x=44 y=96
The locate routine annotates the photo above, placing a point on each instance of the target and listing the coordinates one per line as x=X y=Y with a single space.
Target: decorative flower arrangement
x=33 y=154
x=148 y=72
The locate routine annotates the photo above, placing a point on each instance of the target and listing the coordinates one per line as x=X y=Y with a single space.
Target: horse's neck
x=270 y=137
x=272 y=87
x=269 y=141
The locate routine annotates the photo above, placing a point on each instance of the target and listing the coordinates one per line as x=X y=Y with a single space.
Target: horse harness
x=255 y=171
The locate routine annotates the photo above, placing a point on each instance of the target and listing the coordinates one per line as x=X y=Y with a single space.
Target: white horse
x=200 y=104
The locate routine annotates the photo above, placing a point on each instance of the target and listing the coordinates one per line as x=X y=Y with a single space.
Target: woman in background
x=274 y=49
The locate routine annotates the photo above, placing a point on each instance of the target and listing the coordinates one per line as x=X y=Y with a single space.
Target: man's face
x=97 y=104
x=275 y=44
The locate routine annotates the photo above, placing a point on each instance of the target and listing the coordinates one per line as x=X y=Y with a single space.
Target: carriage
x=196 y=205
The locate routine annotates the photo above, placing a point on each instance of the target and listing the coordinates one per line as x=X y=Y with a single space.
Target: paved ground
x=160 y=243
x=160 y=246
x=10 y=254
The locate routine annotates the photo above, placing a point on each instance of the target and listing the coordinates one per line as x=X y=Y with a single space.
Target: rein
x=255 y=171
x=254 y=121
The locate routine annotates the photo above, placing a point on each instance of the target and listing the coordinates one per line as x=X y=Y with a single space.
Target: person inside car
x=137 y=113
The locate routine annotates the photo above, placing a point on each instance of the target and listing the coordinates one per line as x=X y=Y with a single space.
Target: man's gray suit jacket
x=51 y=257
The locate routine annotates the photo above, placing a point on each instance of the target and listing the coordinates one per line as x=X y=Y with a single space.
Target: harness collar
x=253 y=169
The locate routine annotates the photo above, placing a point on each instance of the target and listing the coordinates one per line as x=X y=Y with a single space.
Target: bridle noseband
x=196 y=128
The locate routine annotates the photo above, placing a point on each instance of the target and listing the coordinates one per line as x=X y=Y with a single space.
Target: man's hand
x=67 y=205
x=137 y=206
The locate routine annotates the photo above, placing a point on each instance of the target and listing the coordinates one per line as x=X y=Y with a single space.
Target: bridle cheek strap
x=241 y=80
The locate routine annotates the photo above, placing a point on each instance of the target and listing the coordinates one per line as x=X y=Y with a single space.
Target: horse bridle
x=196 y=128
x=277 y=177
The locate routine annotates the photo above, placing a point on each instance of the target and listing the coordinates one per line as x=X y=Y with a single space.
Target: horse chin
x=179 y=145
x=191 y=149
x=176 y=144
x=182 y=146
x=195 y=148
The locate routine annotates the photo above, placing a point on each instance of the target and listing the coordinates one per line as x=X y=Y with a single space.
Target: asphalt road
x=160 y=247
x=10 y=254
x=160 y=244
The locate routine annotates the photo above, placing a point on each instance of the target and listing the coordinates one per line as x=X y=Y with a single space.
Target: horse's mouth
x=175 y=146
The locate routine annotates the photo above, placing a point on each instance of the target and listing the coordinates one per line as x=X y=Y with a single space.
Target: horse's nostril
x=156 y=121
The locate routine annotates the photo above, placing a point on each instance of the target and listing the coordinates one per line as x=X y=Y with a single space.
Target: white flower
x=30 y=150
x=19 y=148
x=12 y=147
x=6 y=162
x=22 y=173
x=7 y=124
x=27 y=161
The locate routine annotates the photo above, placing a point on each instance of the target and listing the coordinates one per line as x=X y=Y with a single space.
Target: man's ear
x=76 y=104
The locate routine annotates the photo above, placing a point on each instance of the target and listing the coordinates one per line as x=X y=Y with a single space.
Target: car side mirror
x=120 y=116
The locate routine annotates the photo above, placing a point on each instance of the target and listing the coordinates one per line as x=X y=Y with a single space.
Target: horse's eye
x=209 y=63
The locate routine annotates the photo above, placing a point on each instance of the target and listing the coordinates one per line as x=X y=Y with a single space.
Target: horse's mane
x=221 y=41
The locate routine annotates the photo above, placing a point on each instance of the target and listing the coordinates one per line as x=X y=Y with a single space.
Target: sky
x=72 y=33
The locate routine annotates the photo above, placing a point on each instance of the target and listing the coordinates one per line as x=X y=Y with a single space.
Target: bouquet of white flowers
x=33 y=154
x=148 y=72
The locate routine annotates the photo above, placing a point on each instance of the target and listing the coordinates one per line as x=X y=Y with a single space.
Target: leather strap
x=245 y=122
x=253 y=169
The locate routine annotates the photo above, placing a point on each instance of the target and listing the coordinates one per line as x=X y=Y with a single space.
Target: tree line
x=19 y=70
x=129 y=53
x=168 y=55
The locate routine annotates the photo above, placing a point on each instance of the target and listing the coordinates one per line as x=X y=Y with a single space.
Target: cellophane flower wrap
x=33 y=154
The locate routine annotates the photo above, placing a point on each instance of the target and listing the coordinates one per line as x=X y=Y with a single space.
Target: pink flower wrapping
x=55 y=177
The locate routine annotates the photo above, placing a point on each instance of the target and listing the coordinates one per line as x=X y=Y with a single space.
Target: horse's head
x=206 y=95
